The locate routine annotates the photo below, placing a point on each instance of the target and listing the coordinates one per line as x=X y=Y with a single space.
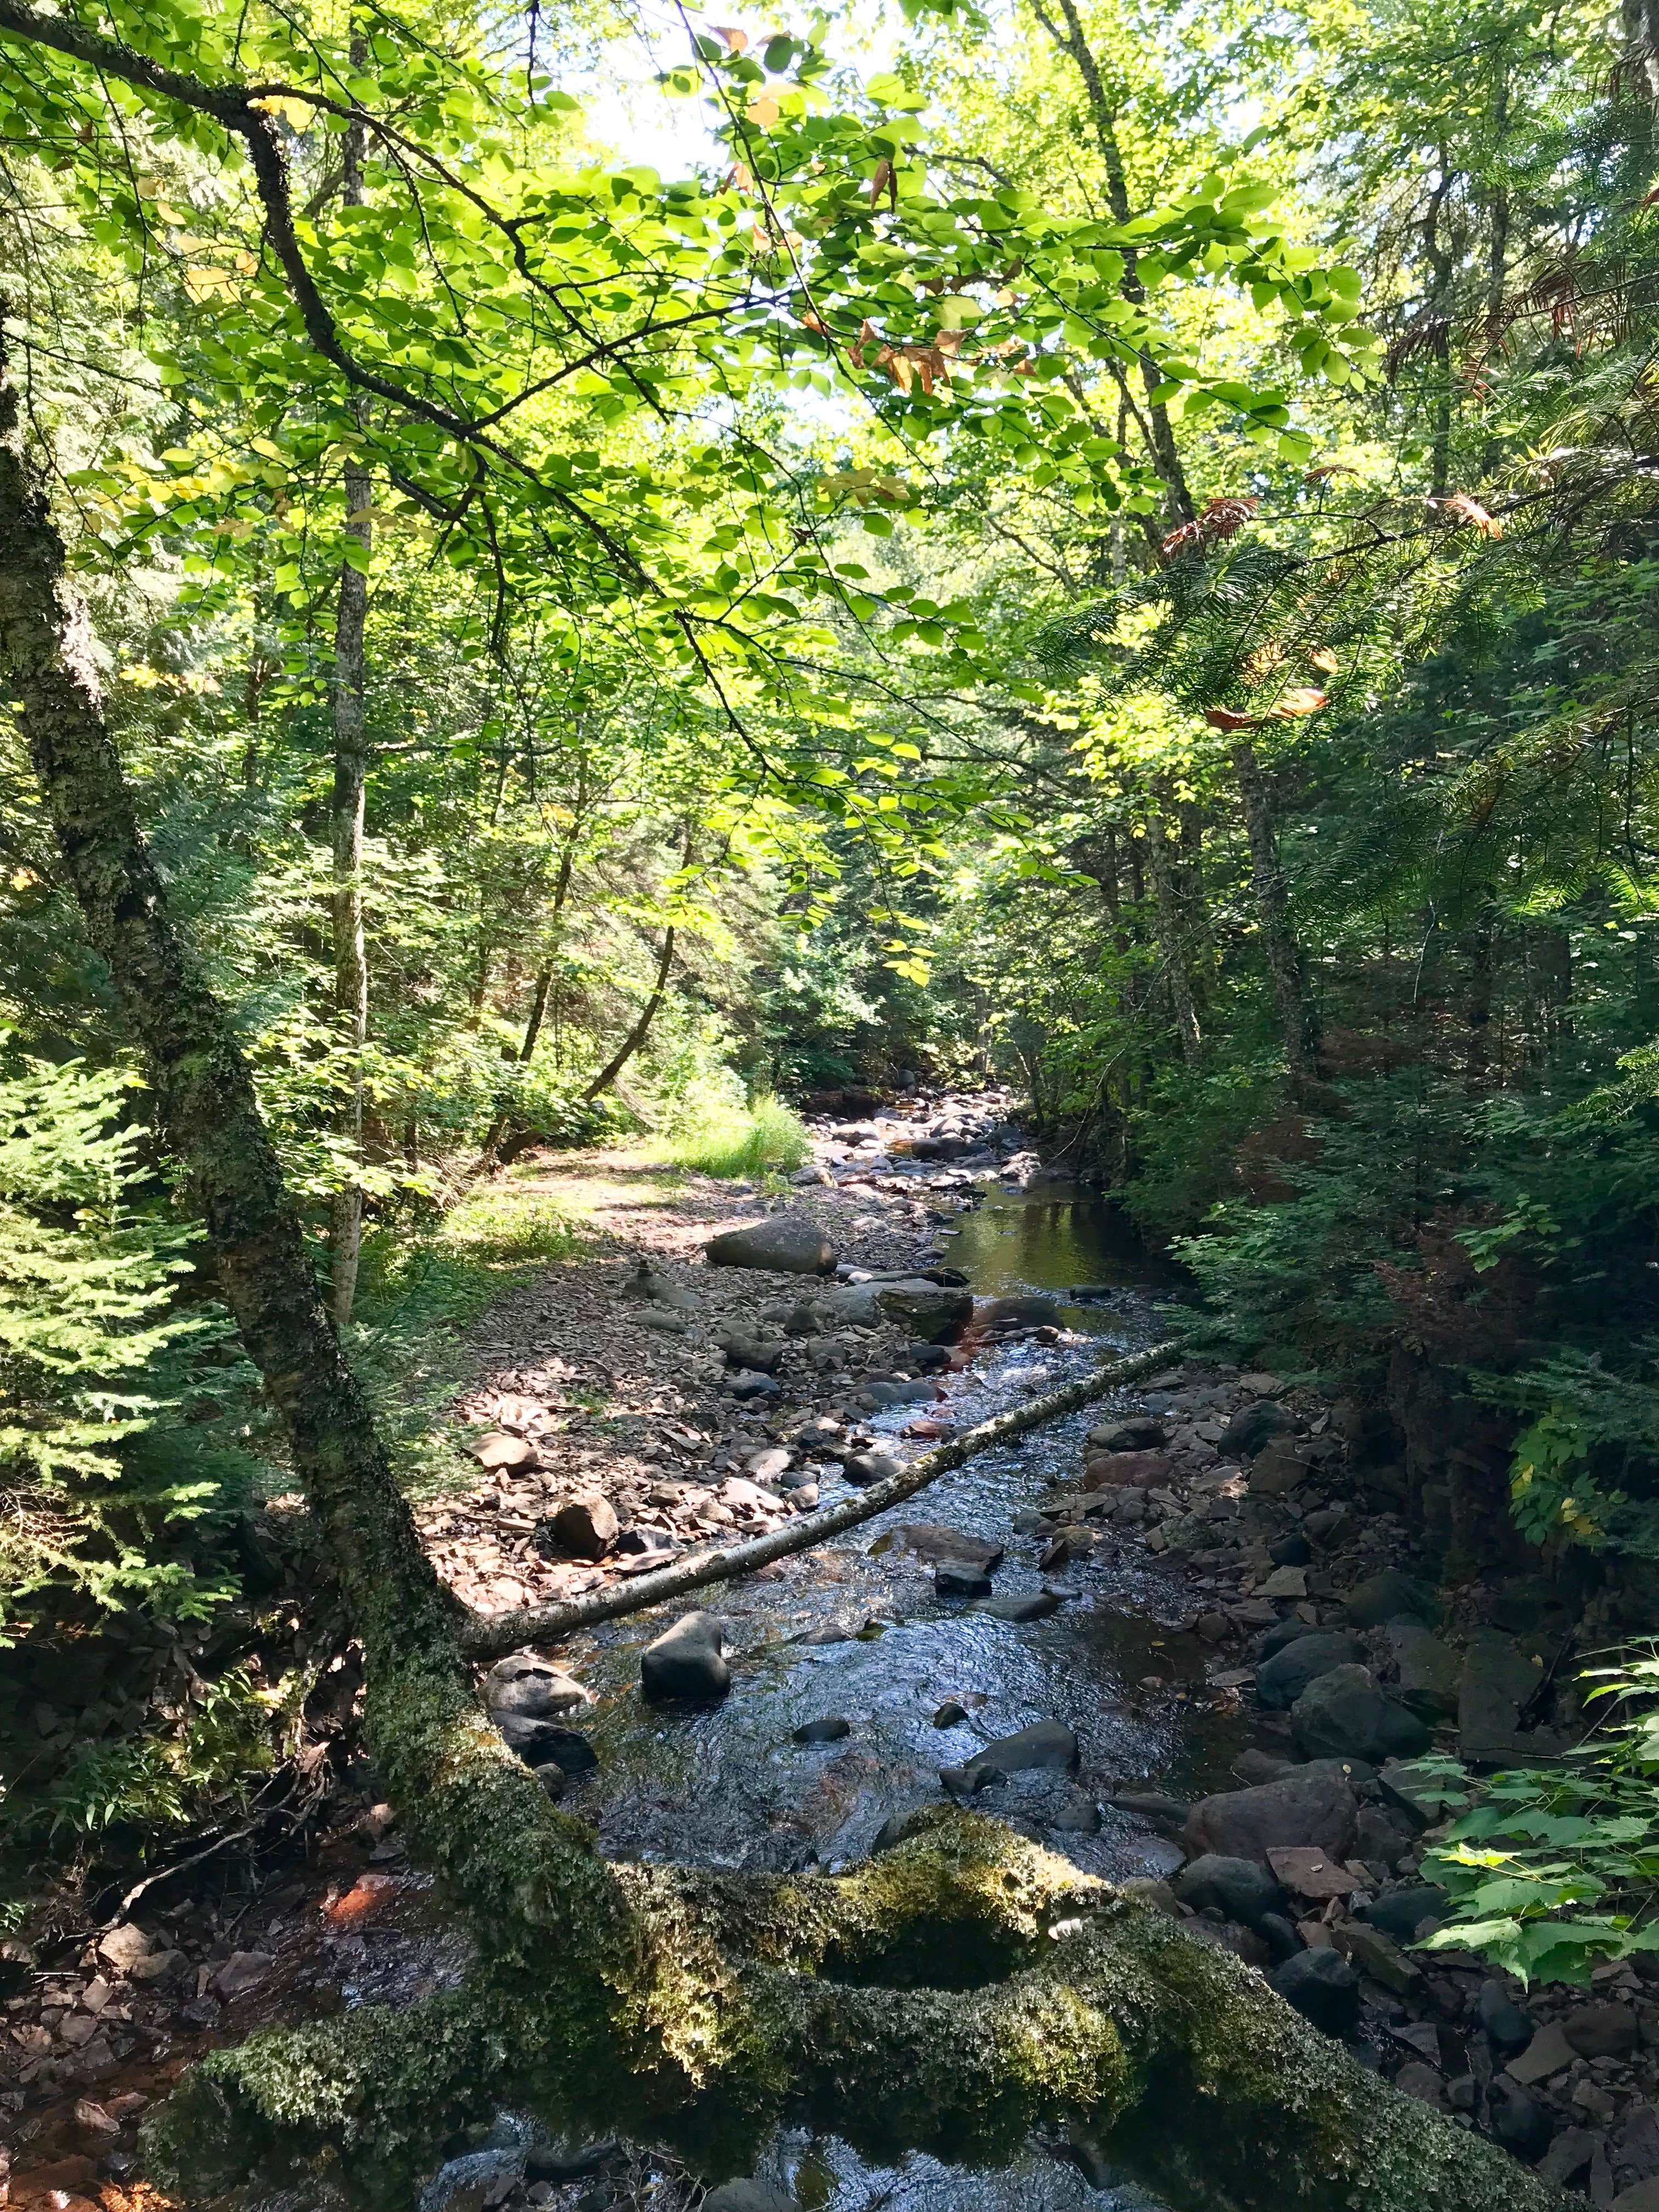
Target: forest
x=747 y=770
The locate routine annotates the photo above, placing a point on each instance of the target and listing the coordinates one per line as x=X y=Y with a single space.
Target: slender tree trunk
x=1477 y=1068
x=1074 y=42
x=1172 y=930
x=652 y=1992
x=1299 y=1016
x=350 y=777
x=636 y=1036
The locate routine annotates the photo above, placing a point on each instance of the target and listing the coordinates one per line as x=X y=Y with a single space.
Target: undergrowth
x=716 y=1135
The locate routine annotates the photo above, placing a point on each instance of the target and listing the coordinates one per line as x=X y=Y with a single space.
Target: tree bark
x=350 y=777
x=1298 y=1017
x=665 y=2000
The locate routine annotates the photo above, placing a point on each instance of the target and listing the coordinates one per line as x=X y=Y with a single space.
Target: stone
x=1567 y=2157
x=530 y=1685
x=1032 y=1309
x=1549 y=2052
x=1036 y=1608
x=663 y=1322
x=1406 y=1789
x=1281 y=1678
x=1401 y=1912
x=1138 y=1470
x=1516 y=2120
x=126 y=1947
x=1047 y=1746
x=748 y=2196
x=1142 y=1434
x=1240 y=1889
x=1500 y=1677
x=498 y=1449
x=1300 y=1808
x=833 y=1729
x=751 y=1355
x=1285 y=1583
x=957 y=1580
x=1227 y=1936
x=536 y=1741
x=1344 y=1714
x=936 y=1312
x=687 y=1662
x=1291 y=1551
x=241 y=1972
x=937 y=1543
x=951 y=1714
x=1376 y=1955
x=552 y=1776
x=862 y=1468
x=1603 y=2031
x=1281 y=1935
x=1505 y=2022
x=1253 y=1427
x=1638 y=2145
x=1391 y=1595
x=1430 y=1671
x=791 y=1244
x=583 y=1528
x=1282 y=1466
x=1416 y=2080
x=1275 y=1639
x=746 y=1384
x=768 y=1465
x=1322 y=1987
x=1640 y=2196
x=473 y=2183
x=1379 y=1841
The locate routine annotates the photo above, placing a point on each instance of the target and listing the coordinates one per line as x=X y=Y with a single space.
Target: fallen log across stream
x=487 y=1635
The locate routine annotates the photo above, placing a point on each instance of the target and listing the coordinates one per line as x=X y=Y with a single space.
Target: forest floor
x=1239 y=1549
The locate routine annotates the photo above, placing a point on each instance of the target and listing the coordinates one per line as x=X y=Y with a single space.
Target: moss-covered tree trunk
x=665 y=2000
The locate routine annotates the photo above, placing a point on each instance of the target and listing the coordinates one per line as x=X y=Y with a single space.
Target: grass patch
x=417 y=1296
x=718 y=1137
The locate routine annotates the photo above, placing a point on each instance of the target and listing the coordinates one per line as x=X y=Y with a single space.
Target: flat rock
x=687 y=1662
x=1301 y=1809
x=1430 y=1671
x=1310 y=1873
x=1141 y=1470
x=1549 y=2052
x=791 y=1244
x=1250 y=1430
x=1048 y=1747
x=956 y=1579
x=1036 y=1607
x=1500 y=1677
x=1603 y=2031
x=1143 y=1433
x=499 y=1450
x=935 y=1542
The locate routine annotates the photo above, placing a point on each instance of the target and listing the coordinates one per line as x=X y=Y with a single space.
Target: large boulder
x=1281 y=1678
x=687 y=1662
x=1343 y=1714
x=790 y=1243
x=935 y=1312
x=1308 y=1806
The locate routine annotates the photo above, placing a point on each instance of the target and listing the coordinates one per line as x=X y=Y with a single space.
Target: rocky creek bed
x=1181 y=1638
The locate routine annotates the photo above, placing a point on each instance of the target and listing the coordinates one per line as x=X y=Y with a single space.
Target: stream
x=728 y=1786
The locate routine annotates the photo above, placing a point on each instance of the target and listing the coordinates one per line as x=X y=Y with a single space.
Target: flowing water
x=728 y=1786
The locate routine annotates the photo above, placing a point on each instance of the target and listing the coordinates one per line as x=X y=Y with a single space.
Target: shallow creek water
x=728 y=1786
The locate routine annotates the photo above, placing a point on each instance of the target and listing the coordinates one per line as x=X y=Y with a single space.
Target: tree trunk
x=636 y=1036
x=350 y=772
x=1298 y=1017
x=669 y=1999
x=1171 y=929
